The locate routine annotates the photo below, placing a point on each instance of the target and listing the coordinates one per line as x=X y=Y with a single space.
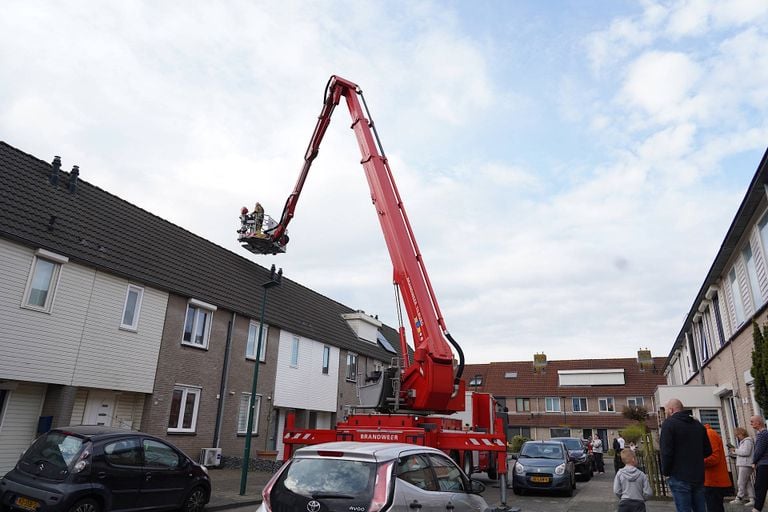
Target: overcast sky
x=570 y=168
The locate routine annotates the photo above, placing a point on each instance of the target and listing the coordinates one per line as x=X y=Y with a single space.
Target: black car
x=582 y=457
x=95 y=468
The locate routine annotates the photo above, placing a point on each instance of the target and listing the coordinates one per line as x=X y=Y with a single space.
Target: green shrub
x=516 y=443
x=633 y=433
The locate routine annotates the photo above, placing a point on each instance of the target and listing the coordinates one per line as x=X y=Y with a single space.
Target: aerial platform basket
x=259 y=243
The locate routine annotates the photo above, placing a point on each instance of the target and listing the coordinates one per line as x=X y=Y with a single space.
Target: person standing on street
x=717 y=480
x=631 y=485
x=597 y=451
x=743 y=453
x=760 y=461
x=617 y=447
x=684 y=446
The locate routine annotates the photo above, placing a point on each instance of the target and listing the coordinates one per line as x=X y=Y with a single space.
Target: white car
x=371 y=477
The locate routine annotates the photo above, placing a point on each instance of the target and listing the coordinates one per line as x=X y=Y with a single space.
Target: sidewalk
x=225 y=492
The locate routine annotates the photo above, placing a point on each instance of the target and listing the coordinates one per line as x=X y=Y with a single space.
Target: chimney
x=55 y=168
x=73 y=178
x=539 y=362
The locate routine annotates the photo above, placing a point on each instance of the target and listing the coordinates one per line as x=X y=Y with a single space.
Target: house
x=113 y=315
x=570 y=398
x=709 y=364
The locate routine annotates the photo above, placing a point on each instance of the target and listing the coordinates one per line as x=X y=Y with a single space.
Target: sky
x=569 y=168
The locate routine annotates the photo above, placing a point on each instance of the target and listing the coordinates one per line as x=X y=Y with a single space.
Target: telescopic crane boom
x=432 y=382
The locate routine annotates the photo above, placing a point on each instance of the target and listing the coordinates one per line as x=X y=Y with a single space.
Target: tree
x=636 y=413
x=760 y=364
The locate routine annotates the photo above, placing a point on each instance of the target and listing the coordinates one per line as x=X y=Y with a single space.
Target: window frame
x=351 y=376
x=547 y=407
x=244 y=412
x=734 y=288
x=5 y=399
x=252 y=345
x=753 y=282
x=522 y=404
x=198 y=306
x=579 y=409
x=608 y=408
x=635 y=400
x=326 y=364
x=137 y=308
x=185 y=391
x=293 y=362
x=58 y=262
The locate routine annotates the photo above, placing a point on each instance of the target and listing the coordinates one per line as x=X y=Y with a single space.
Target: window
x=704 y=346
x=197 y=325
x=712 y=417
x=351 y=367
x=42 y=281
x=132 y=308
x=160 y=455
x=415 y=470
x=579 y=404
x=477 y=380
x=738 y=305
x=5 y=395
x=552 y=404
x=295 y=352
x=242 y=415
x=253 y=341
x=184 y=405
x=126 y=452
x=326 y=359
x=754 y=283
x=718 y=319
x=522 y=404
x=518 y=431
x=449 y=477
x=635 y=401
x=559 y=432
x=606 y=404
x=510 y=375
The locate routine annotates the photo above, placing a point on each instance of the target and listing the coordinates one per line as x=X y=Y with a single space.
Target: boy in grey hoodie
x=631 y=484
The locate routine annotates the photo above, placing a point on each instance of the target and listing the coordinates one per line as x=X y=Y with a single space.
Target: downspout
x=223 y=385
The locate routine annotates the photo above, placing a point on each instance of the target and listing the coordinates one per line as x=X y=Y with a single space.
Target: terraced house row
x=111 y=315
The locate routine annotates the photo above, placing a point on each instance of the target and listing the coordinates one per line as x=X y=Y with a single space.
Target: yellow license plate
x=540 y=479
x=26 y=503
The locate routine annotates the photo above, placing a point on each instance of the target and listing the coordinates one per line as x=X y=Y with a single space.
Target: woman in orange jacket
x=717 y=480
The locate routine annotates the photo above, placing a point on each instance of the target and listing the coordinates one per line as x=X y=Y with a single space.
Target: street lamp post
x=274 y=280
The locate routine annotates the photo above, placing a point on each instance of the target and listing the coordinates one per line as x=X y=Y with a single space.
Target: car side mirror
x=512 y=455
x=476 y=487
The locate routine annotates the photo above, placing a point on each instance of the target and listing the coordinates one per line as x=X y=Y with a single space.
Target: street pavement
x=593 y=496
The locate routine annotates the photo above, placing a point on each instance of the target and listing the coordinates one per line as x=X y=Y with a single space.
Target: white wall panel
x=305 y=386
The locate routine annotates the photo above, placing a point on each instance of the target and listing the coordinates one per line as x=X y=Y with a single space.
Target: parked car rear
x=95 y=468
x=371 y=477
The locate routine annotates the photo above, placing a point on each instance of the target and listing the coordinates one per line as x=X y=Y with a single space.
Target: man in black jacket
x=684 y=445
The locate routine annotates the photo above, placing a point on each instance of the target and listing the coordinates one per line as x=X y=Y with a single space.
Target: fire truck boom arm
x=430 y=383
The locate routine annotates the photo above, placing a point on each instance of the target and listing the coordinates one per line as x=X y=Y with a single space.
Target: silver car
x=371 y=477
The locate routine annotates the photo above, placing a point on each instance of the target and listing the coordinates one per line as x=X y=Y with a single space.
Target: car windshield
x=330 y=478
x=542 y=451
x=52 y=454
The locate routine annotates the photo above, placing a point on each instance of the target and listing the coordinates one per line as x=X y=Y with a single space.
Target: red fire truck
x=412 y=400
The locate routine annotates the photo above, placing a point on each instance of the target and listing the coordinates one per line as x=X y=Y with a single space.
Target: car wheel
x=569 y=492
x=86 y=505
x=195 y=500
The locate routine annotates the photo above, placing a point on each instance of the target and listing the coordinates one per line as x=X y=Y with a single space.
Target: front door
x=99 y=408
